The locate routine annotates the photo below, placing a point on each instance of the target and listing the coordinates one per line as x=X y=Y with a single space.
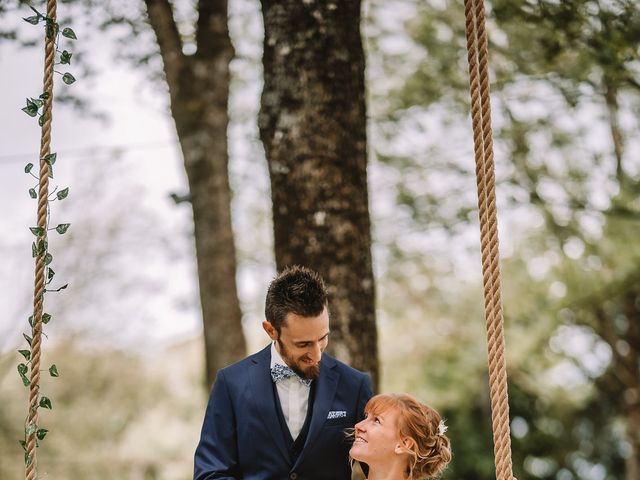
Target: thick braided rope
x=43 y=210
x=485 y=177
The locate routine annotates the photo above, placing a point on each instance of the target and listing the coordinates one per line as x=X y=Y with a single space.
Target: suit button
x=293 y=476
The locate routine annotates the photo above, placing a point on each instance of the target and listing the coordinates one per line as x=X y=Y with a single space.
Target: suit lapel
x=262 y=389
x=326 y=391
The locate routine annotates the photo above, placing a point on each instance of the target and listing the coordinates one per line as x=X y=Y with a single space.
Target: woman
x=401 y=439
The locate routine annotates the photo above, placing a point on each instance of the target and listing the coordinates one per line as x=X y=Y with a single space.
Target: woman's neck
x=387 y=472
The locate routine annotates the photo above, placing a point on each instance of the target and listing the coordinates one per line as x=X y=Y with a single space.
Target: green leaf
x=41 y=433
x=65 y=57
x=31 y=429
x=41 y=120
x=50 y=159
x=50 y=274
x=38 y=102
x=46 y=318
x=25 y=353
x=62 y=228
x=31 y=321
x=51 y=28
x=53 y=371
x=62 y=194
x=44 y=95
x=32 y=20
x=31 y=109
x=45 y=402
x=34 y=250
x=69 y=33
x=32 y=193
x=28 y=167
x=23 y=444
x=50 y=171
x=22 y=369
x=68 y=78
x=37 y=231
x=27 y=338
x=27 y=459
x=58 y=289
x=25 y=381
x=48 y=258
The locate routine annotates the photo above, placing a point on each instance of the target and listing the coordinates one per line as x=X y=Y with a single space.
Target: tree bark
x=199 y=91
x=313 y=126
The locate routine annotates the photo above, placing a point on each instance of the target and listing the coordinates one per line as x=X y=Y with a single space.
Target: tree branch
x=160 y=15
x=212 y=31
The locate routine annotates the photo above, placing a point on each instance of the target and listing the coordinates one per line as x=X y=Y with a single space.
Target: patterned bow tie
x=280 y=372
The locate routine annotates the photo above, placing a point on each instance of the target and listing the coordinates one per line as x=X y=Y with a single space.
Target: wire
x=84 y=152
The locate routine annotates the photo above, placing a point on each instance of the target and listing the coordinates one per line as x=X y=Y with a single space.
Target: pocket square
x=336 y=414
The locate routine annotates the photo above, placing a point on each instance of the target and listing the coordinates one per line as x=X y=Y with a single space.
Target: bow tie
x=281 y=372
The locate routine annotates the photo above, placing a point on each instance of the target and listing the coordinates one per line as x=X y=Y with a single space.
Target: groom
x=281 y=413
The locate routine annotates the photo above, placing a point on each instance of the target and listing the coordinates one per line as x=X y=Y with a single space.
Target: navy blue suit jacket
x=241 y=435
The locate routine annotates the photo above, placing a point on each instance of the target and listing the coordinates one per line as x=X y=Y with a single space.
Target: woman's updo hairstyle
x=422 y=430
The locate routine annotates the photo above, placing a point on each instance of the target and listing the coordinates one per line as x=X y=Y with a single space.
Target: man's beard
x=310 y=373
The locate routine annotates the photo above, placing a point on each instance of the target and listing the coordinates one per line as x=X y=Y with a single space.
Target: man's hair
x=297 y=290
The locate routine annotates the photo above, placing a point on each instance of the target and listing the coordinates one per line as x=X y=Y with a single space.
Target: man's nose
x=316 y=353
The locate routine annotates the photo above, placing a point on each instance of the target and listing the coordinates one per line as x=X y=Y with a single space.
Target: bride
x=401 y=439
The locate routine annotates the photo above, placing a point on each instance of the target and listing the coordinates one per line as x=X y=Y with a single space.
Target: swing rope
x=42 y=213
x=483 y=146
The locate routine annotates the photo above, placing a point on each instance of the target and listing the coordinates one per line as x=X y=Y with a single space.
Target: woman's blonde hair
x=422 y=428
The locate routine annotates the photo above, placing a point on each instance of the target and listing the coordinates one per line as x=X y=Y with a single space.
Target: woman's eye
x=376 y=419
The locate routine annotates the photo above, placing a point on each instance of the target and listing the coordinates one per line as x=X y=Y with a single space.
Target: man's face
x=301 y=342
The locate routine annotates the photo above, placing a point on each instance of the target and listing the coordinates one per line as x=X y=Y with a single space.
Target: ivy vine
x=35 y=107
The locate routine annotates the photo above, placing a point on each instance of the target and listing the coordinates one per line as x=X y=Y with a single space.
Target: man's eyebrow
x=311 y=341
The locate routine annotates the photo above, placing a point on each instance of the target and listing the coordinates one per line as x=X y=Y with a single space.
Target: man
x=282 y=412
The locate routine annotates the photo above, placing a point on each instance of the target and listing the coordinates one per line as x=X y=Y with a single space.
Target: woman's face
x=376 y=437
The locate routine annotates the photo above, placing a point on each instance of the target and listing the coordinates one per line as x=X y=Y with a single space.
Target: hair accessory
x=442 y=428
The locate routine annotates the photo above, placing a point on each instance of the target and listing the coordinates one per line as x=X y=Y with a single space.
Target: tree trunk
x=199 y=91
x=613 y=109
x=313 y=127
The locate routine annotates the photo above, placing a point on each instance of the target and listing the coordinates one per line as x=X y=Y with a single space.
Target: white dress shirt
x=294 y=397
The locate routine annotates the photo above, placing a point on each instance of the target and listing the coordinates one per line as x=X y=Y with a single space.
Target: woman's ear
x=404 y=446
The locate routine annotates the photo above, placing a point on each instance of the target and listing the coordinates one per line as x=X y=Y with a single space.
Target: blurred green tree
x=565 y=97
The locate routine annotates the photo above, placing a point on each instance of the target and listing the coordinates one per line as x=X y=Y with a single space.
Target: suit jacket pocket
x=338 y=422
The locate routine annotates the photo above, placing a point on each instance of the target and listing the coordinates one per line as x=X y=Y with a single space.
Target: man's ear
x=270 y=329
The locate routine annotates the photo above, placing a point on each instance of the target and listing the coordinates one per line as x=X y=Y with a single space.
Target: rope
x=43 y=210
x=485 y=177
